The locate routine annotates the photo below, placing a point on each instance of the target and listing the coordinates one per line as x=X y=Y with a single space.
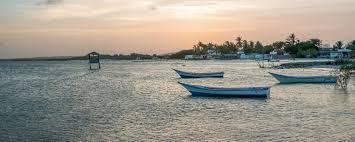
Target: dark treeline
x=291 y=45
x=132 y=56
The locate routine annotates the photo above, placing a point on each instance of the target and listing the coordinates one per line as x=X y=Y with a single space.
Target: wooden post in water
x=94 y=58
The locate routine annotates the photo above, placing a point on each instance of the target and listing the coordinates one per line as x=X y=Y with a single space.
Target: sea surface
x=141 y=101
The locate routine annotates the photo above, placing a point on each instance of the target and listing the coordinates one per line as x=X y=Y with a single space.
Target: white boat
x=184 y=74
x=197 y=90
x=304 y=79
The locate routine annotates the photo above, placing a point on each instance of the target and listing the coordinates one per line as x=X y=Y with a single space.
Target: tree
x=279 y=46
x=234 y=47
x=338 y=45
x=210 y=47
x=351 y=45
x=197 y=50
x=225 y=48
x=291 y=41
x=268 y=49
x=305 y=45
x=239 y=42
x=221 y=49
x=291 y=49
x=259 y=48
x=316 y=42
x=248 y=47
x=251 y=44
x=230 y=47
x=203 y=47
x=245 y=45
x=216 y=48
x=291 y=45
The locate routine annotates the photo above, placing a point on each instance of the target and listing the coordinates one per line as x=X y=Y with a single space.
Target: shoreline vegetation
x=133 y=56
x=291 y=46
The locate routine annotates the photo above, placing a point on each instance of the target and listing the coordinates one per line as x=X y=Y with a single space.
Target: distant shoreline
x=45 y=59
x=103 y=58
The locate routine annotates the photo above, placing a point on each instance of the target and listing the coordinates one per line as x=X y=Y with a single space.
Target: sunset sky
x=32 y=28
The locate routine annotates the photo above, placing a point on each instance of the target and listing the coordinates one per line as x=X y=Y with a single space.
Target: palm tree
x=290 y=45
x=200 y=44
x=210 y=47
x=233 y=47
x=197 y=49
x=245 y=45
x=221 y=49
x=216 y=48
x=291 y=39
x=248 y=47
x=239 y=42
x=251 y=44
x=203 y=47
x=338 y=45
x=230 y=47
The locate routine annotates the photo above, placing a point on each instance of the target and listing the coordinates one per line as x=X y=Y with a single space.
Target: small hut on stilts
x=94 y=58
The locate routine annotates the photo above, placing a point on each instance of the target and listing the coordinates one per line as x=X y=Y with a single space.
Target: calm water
x=128 y=101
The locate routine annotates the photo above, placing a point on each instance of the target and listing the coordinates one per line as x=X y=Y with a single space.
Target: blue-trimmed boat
x=184 y=74
x=284 y=79
x=197 y=90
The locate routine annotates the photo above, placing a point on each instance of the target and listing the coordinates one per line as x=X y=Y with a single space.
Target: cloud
x=50 y=2
x=93 y=10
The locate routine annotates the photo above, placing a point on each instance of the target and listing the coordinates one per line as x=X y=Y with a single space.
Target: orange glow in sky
x=75 y=27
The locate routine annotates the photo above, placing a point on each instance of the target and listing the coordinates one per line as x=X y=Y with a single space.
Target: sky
x=39 y=28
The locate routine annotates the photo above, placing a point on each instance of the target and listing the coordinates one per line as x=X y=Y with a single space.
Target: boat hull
x=226 y=92
x=183 y=74
x=283 y=79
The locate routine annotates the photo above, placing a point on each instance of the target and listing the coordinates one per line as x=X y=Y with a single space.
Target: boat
x=284 y=79
x=197 y=90
x=184 y=74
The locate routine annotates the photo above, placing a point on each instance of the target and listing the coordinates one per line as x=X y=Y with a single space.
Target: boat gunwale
x=301 y=77
x=204 y=73
x=225 y=89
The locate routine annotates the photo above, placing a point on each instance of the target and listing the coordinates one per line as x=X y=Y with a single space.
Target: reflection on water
x=226 y=98
x=64 y=101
